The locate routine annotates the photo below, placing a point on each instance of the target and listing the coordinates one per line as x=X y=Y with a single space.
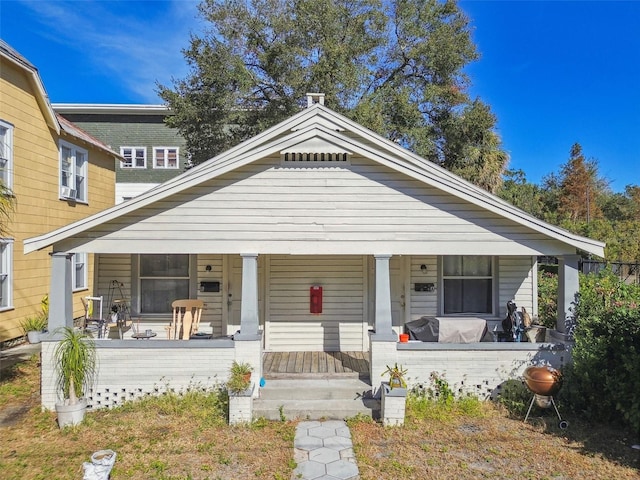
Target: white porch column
x=568 y=288
x=60 y=292
x=383 y=322
x=382 y=343
x=249 y=322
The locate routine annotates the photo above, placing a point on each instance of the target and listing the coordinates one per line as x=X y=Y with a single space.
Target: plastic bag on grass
x=100 y=467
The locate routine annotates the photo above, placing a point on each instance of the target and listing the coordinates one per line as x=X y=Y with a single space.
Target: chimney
x=313 y=98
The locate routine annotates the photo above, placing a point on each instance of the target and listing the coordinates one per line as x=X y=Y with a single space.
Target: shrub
x=438 y=401
x=34 y=324
x=603 y=381
x=547 y=299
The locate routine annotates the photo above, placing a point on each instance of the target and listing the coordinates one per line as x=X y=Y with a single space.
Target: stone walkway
x=323 y=451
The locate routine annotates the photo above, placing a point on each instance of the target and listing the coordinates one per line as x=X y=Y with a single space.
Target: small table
x=144 y=335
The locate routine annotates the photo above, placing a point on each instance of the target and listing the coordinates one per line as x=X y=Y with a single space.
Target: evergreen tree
x=394 y=66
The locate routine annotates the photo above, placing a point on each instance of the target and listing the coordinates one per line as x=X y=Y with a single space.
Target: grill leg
x=563 y=424
x=530 y=406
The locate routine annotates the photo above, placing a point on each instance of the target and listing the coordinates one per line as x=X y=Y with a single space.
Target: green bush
x=515 y=397
x=603 y=382
x=439 y=401
x=547 y=299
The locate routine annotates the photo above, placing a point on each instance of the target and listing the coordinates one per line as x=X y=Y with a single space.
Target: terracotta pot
x=543 y=380
x=404 y=337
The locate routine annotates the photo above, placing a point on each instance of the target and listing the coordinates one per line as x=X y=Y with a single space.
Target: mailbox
x=209 y=286
x=425 y=287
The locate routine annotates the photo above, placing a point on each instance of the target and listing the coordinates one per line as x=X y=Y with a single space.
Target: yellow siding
x=38 y=208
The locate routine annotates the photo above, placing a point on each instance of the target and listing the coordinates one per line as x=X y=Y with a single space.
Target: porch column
x=568 y=288
x=383 y=321
x=249 y=322
x=60 y=292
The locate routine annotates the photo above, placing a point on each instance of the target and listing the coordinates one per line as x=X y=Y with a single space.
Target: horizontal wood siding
x=424 y=303
x=113 y=268
x=213 y=304
x=517 y=277
x=131 y=190
x=340 y=326
x=363 y=208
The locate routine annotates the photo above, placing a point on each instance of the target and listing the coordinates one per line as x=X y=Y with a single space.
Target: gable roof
x=7 y=52
x=313 y=128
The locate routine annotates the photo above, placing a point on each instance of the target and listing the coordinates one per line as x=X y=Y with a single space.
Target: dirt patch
x=12 y=414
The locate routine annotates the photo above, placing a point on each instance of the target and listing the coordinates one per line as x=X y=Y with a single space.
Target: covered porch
x=322 y=237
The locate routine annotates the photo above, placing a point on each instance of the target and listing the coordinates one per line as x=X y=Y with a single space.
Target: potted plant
x=396 y=376
x=33 y=327
x=240 y=392
x=75 y=364
x=239 y=377
x=394 y=396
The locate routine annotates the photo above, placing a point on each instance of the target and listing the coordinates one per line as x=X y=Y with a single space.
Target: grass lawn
x=188 y=438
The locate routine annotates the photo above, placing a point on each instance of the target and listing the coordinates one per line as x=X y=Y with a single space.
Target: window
x=79 y=271
x=73 y=172
x=468 y=284
x=6 y=153
x=163 y=279
x=165 y=157
x=6 y=273
x=134 y=157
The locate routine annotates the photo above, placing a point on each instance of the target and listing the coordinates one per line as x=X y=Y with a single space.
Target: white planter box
x=241 y=407
x=392 y=408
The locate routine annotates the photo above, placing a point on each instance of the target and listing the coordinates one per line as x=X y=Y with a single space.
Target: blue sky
x=554 y=73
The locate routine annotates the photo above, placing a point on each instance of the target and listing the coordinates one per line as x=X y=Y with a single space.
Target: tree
x=394 y=66
x=520 y=193
x=580 y=187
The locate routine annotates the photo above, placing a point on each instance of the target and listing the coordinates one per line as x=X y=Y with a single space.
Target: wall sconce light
x=208 y=268
x=423 y=268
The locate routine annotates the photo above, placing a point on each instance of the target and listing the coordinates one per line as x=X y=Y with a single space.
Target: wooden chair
x=186 y=319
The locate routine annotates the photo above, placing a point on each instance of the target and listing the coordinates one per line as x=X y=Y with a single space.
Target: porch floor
x=355 y=363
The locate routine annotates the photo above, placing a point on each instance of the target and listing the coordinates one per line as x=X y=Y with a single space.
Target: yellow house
x=58 y=174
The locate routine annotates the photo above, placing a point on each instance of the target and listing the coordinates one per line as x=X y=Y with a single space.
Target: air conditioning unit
x=66 y=192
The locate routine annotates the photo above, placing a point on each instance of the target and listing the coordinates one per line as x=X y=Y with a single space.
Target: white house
x=317 y=201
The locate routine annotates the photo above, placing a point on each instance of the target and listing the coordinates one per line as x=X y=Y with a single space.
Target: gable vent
x=289 y=158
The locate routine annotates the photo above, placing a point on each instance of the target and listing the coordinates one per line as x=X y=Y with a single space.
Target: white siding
x=517 y=276
x=110 y=269
x=424 y=303
x=212 y=314
x=340 y=326
x=364 y=208
x=131 y=190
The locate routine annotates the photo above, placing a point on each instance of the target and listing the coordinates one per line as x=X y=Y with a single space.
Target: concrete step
x=322 y=397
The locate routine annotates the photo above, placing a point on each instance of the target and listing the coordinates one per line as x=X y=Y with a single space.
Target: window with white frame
x=73 y=172
x=165 y=157
x=6 y=153
x=468 y=284
x=6 y=273
x=163 y=279
x=79 y=271
x=134 y=157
